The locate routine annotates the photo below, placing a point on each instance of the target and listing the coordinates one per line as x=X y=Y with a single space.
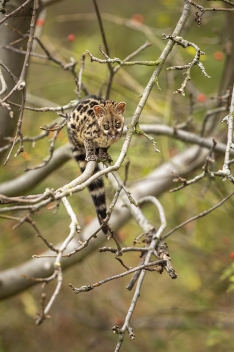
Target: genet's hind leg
x=103 y=155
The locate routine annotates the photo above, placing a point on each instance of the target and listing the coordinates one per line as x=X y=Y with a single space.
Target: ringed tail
x=96 y=188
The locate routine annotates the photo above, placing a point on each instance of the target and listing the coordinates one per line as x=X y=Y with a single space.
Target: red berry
x=40 y=22
x=201 y=98
x=138 y=18
x=232 y=255
x=25 y=155
x=119 y=321
x=71 y=37
x=218 y=55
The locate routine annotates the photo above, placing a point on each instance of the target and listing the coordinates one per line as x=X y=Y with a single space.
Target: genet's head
x=110 y=118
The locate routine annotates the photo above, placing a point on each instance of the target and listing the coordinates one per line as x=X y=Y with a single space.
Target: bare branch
x=3 y=83
x=230 y=145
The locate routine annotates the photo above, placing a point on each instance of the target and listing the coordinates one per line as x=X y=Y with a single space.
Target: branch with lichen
x=151 y=139
x=196 y=61
x=226 y=172
x=108 y=60
x=74 y=229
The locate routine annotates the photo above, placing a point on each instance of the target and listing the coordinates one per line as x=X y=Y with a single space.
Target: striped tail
x=96 y=188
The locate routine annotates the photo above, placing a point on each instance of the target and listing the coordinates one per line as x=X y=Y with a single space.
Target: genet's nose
x=113 y=137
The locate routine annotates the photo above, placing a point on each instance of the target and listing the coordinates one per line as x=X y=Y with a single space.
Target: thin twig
x=90 y=287
x=9 y=71
x=197 y=178
x=56 y=130
x=70 y=105
x=126 y=170
x=141 y=48
x=111 y=73
x=79 y=81
x=74 y=228
x=200 y=215
x=16 y=10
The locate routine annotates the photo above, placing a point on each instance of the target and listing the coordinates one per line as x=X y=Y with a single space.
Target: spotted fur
x=93 y=126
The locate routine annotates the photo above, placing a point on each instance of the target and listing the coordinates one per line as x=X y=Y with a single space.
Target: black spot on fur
x=80 y=157
x=79 y=107
x=93 y=103
x=99 y=200
x=95 y=186
x=84 y=109
x=90 y=111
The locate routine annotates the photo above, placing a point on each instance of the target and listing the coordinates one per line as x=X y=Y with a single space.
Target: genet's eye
x=117 y=125
x=106 y=127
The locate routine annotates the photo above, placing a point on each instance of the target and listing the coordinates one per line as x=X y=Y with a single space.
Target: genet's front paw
x=105 y=157
x=91 y=157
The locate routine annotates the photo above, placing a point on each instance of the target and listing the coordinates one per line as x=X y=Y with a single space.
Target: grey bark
x=14 y=61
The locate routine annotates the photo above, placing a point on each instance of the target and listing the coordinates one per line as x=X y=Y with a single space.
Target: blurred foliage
x=192 y=313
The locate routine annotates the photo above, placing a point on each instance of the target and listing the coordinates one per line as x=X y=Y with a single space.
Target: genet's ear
x=99 y=111
x=121 y=108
